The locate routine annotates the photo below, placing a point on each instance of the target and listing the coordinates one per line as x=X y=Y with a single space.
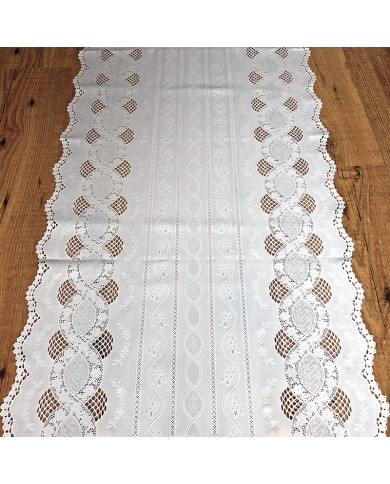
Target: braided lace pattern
x=74 y=401
x=312 y=400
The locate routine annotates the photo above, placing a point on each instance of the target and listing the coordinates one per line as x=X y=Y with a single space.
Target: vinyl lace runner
x=195 y=278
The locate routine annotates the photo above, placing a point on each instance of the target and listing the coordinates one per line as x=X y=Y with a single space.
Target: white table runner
x=195 y=277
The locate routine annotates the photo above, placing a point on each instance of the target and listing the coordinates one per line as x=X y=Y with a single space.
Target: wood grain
x=35 y=89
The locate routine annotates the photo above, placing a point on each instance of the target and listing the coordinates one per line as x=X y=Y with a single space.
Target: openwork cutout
x=110 y=291
x=290 y=403
x=74 y=246
x=86 y=169
x=48 y=403
x=322 y=290
x=92 y=136
x=272 y=244
x=106 y=54
x=65 y=292
x=263 y=167
x=277 y=290
x=127 y=136
x=57 y=344
x=97 y=106
x=251 y=52
x=302 y=167
x=254 y=77
x=261 y=134
x=283 y=343
x=124 y=169
x=268 y=204
x=115 y=246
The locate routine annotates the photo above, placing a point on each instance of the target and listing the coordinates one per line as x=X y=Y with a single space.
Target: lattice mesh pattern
x=123 y=169
x=283 y=343
x=73 y=246
x=263 y=167
x=267 y=204
x=260 y=134
x=314 y=243
x=136 y=54
x=127 y=136
x=92 y=136
x=290 y=404
x=110 y=291
x=277 y=290
x=296 y=133
x=272 y=244
x=65 y=292
x=97 y=106
x=286 y=77
x=341 y=404
x=47 y=404
x=80 y=205
x=97 y=404
x=283 y=52
x=331 y=343
x=254 y=77
x=291 y=104
x=308 y=203
x=115 y=246
x=103 y=344
x=322 y=290
x=101 y=79
x=106 y=54
x=57 y=344
x=130 y=106
x=302 y=167
x=133 y=79
x=86 y=169
x=257 y=104
x=120 y=205
x=251 y=52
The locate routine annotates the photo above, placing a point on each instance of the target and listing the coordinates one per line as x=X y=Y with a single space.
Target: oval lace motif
x=69 y=428
x=84 y=317
x=285 y=185
x=102 y=187
x=297 y=267
x=97 y=225
x=280 y=150
x=290 y=223
x=317 y=427
x=311 y=373
x=276 y=119
x=303 y=316
x=76 y=374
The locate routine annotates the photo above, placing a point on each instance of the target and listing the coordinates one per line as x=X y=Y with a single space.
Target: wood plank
x=355 y=143
x=370 y=71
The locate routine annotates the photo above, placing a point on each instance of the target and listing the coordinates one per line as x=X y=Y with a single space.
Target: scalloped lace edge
x=367 y=370
x=33 y=316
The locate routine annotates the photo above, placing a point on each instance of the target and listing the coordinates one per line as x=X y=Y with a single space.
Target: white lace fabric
x=195 y=278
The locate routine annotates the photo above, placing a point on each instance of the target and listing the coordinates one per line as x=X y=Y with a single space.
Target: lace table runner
x=195 y=278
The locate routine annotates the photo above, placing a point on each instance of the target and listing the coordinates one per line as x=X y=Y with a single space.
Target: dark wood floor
x=36 y=87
